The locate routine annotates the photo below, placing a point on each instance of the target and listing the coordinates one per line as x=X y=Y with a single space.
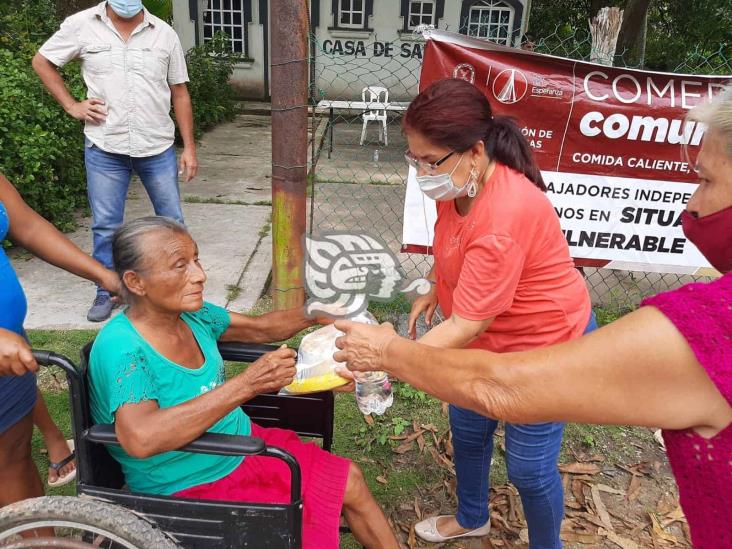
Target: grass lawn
x=406 y=454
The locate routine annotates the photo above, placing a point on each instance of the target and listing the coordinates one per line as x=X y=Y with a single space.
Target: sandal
x=69 y=477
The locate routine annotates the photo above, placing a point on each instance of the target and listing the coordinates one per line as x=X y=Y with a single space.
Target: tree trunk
x=604 y=29
x=631 y=48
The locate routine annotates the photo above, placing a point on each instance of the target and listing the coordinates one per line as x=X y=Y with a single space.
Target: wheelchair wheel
x=79 y=523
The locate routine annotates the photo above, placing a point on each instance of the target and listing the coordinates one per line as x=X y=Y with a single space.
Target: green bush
x=41 y=147
x=210 y=66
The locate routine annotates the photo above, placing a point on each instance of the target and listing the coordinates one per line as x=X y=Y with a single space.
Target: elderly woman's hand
x=363 y=346
x=271 y=371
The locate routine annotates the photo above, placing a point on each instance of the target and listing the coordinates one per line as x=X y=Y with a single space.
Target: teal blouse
x=125 y=369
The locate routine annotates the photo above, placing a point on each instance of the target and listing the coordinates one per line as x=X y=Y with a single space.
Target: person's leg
x=159 y=175
x=18 y=474
x=531 y=458
x=108 y=179
x=472 y=440
x=19 y=477
x=364 y=515
x=56 y=444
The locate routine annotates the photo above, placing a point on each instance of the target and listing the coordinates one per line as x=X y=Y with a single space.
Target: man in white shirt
x=133 y=65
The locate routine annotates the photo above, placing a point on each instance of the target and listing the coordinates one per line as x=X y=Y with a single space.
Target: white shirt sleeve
x=177 y=69
x=63 y=46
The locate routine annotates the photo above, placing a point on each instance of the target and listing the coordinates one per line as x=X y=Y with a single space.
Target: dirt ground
x=618 y=493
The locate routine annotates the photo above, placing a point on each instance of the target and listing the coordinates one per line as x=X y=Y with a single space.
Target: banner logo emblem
x=510 y=86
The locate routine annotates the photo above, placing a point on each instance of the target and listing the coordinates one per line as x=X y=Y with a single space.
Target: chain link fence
x=358 y=173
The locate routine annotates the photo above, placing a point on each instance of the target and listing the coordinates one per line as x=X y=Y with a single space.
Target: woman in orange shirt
x=504 y=280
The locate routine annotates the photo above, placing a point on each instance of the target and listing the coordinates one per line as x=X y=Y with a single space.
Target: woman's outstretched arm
x=638 y=370
x=39 y=237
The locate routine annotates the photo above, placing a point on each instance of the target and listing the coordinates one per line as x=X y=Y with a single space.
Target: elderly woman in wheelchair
x=156 y=373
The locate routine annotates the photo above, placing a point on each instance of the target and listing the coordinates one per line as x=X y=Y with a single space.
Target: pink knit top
x=703 y=467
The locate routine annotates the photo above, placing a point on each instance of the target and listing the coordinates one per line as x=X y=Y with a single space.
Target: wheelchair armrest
x=207 y=443
x=223 y=445
x=243 y=352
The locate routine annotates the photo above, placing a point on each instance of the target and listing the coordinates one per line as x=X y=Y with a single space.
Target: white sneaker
x=427 y=530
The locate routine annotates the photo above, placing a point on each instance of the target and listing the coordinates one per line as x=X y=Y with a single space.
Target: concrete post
x=289 y=74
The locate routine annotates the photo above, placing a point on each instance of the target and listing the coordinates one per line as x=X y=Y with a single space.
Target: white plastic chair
x=376 y=94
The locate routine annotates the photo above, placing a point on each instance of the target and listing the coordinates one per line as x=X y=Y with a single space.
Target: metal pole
x=289 y=69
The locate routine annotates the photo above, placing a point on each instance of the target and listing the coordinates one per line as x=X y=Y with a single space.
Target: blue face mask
x=126 y=9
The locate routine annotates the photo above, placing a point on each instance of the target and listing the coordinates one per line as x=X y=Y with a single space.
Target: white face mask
x=441 y=187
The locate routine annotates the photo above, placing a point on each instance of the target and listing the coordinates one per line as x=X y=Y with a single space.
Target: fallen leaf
x=381 y=479
x=601 y=509
x=412 y=539
x=633 y=488
x=579 y=468
x=610 y=490
x=417 y=508
x=403 y=448
x=666 y=504
x=420 y=442
x=368 y=419
x=577 y=537
x=658 y=531
x=578 y=492
x=622 y=542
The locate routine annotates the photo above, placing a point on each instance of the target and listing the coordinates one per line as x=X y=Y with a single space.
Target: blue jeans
x=108 y=179
x=531 y=459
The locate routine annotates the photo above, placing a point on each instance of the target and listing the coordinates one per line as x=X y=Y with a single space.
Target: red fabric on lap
x=267 y=480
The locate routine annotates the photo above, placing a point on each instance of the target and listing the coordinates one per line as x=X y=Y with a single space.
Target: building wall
x=346 y=59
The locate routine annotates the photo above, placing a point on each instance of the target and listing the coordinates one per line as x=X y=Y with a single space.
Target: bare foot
x=449 y=526
x=58 y=450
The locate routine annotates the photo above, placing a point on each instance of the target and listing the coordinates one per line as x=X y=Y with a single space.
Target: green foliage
x=681 y=36
x=41 y=148
x=210 y=66
x=160 y=8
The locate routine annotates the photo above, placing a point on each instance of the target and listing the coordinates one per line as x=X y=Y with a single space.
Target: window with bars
x=421 y=12
x=229 y=16
x=351 y=14
x=492 y=21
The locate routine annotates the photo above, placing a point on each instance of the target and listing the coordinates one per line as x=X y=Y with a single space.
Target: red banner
x=585 y=120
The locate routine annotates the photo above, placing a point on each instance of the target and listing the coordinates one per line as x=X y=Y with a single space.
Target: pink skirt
x=267 y=480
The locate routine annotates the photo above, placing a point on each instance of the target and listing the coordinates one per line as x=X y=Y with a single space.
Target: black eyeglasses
x=426 y=166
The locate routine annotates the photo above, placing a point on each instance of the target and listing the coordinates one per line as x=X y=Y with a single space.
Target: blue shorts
x=17 y=398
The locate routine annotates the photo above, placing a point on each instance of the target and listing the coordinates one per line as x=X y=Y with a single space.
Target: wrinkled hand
x=16 y=357
x=270 y=372
x=89 y=110
x=188 y=164
x=363 y=347
x=424 y=304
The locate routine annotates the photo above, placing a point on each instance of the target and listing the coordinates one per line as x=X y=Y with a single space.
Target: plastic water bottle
x=373 y=392
x=376 y=156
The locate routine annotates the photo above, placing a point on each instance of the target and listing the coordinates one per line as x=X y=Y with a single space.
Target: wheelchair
x=159 y=522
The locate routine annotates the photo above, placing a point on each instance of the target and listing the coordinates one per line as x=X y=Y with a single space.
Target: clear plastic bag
x=315 y=365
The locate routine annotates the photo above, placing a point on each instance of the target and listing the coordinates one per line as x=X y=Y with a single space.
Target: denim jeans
x=108 y=179
x=531 y=459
